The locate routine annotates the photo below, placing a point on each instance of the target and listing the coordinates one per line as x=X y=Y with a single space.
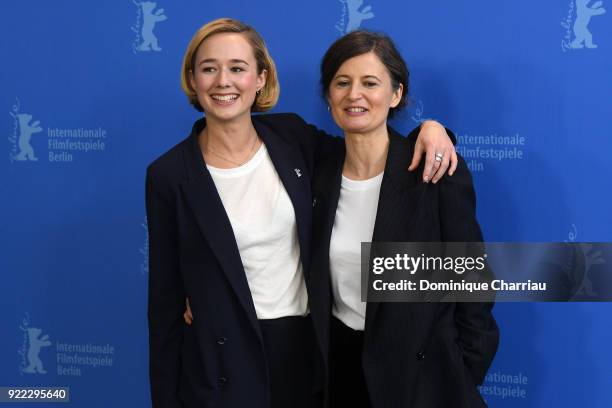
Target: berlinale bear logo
x=20 y=139
x=147 y=19
x=584 y=13
x=353 y=15
x=33 y=342
x=26 y=130
x=578 y=25
x=36 y=343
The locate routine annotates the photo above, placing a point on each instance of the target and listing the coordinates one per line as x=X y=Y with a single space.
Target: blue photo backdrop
x=90 y=95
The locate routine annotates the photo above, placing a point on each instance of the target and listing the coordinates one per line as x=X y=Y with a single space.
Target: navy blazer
x=219 y=360
x=429 y=355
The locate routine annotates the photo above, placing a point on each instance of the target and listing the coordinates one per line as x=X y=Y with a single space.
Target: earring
x=258 y=91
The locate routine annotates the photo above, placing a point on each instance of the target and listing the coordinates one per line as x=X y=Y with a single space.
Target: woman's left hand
x=187 y=316
x=439 y=150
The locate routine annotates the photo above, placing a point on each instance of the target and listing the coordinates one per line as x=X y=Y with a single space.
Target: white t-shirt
x=263 y=221
x=354 y=224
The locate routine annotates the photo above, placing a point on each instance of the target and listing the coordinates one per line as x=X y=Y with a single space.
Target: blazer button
x=420 y=355
x=222 y=380
x=221 y=340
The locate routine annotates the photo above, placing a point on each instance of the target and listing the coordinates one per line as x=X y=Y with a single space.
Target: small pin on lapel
x=298 y=172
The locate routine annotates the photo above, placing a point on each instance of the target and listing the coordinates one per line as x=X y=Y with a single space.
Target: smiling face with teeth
x=361 y=94
x=225 y=77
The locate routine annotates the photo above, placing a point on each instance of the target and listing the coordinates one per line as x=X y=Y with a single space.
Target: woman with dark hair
x=229 y=214
x=389 y=354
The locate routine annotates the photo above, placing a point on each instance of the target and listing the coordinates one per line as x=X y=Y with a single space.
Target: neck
x=228 y=144
x=366 y=153
x=230 y=138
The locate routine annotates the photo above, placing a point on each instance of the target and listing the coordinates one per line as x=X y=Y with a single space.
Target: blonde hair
x=268 y=95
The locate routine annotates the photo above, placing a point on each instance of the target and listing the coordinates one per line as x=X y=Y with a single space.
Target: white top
x=263 y=221
x=354 y=224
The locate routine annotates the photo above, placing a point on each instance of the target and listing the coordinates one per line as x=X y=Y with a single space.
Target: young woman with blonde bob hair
x=229 y=213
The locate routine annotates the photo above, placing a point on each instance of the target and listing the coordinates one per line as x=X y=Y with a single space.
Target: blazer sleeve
x=478 y=332
x=317 y=144
x=166 y=297
x=323 y=144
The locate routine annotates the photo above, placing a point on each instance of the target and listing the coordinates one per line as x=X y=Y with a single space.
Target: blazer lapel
x=201 y=194
x=396 y=182
x=328 y=192
x=292 y=171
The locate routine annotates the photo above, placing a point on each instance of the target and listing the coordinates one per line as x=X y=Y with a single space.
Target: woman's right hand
x=187 y=315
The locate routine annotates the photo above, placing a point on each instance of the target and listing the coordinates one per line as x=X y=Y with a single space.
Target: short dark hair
x=361 y=42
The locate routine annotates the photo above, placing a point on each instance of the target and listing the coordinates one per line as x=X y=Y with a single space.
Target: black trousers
x=290 y=349
x=347 y=383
